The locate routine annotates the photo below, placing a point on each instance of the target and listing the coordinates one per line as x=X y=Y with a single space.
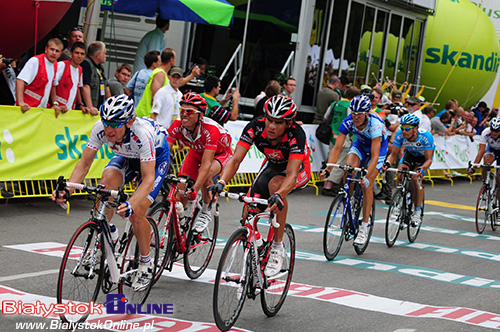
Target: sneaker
x=275 y=261
x=361 y=237
x=143 y=277
x=202 y=221
x=415 y=219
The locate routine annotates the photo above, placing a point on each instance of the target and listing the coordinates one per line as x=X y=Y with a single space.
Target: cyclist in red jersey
x=287 y=166
x=210 y=150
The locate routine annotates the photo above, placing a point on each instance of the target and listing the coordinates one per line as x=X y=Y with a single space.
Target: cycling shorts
x=129 y=169
x=192 y=162
x=412 y=161
x=364 y=153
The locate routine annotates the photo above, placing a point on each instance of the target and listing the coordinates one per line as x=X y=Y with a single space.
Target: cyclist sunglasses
x=407 y=128
x=114 y=125
x=188 y=111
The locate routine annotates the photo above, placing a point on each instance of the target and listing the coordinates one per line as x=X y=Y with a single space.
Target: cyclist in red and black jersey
x=286 y=168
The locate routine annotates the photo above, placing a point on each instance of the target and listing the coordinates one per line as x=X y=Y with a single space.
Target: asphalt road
x=447 y=280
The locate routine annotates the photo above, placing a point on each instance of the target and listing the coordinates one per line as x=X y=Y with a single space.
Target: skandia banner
x=37 y=146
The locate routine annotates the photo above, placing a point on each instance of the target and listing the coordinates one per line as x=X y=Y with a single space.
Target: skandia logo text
x=117 y=304
x=465 y=60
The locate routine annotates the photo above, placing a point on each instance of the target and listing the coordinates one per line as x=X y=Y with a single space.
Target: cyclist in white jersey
x=140 y=145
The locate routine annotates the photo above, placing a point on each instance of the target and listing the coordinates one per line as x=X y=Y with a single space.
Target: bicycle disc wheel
x=413 y=231
x=371 y=220
x=130 y=263
x=200 y=247
x=394 y=218
x=159 y=213
x=494 y=213
x=232 y=280
x=76 y=282
x=482 y=209
x=273 y=296
x=335 y=228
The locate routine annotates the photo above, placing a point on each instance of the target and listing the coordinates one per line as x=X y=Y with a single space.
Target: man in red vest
x=68 y=81
x=34 y=83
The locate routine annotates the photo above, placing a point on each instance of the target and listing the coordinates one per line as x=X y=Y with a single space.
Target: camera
x=7 y=61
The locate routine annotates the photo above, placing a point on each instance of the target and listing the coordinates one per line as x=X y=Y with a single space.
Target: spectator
x=157 y=80
x=8 y=74
x=215 y=110
x=273 y=88
x=478 y=113
x=438 y=124
x=116 y=85
x=152 y=41
x=198 y=71
x=166 y=106
x=66 y=90
x=450 y=106
x=289 y=87
x=94 y=80
x=35 y=81
x=413 y=105
x=376 y=95
x=138 y=82
x=469 y=129
x=457 y=120
x=340 y=111
x=428 y=114
x=74 y=35
x=326 y=97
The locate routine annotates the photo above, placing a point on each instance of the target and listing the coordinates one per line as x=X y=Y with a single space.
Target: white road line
x=28 y=275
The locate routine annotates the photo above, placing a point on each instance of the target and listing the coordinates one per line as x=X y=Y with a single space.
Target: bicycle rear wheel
x=335 y=228
x=231 y=280
x=482 y=208
x=200 y=247
x=413 y=231
x=371 y=220
x=159 y=213
x=273 y=296
x=394 y=218
x=130 y=263
x=76 y=281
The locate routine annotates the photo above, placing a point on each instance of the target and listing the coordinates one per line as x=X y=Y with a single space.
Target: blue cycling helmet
x=118 y=108
x=360 y=104
x=410 y=119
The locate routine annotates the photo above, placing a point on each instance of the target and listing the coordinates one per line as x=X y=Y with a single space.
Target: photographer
x=8 y=76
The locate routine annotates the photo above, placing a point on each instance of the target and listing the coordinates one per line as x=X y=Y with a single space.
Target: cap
x=176 y=70
x=384 y=101
x=414 y=100
x=397 y=94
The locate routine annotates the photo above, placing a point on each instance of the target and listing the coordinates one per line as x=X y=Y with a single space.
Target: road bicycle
x=401 y=209
x=487 y=200
x=93 y=262
x=345 y=214
x=240 y=273
x=178 y=239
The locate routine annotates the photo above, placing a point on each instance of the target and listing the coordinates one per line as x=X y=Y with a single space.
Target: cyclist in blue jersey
x=419 y=148
x=369 y=148
x=140 y=145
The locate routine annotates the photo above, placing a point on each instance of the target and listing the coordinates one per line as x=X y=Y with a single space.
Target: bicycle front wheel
x=482 y=208
x=412 y=230
x=200 y=247
x=159 y=213
x=371 y=220
x=273 y=296
x=81 y=270
x=231 y=280
x=335 y=228
x=130 y=264
x=494 y=210
x=394 y=218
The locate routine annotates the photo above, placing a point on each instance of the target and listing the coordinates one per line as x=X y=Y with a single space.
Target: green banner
x=37 y=146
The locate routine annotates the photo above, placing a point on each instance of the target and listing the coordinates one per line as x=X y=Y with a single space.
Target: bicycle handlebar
x=243 y=198
x=405 y=171
x=348 y=168
x=482 y=165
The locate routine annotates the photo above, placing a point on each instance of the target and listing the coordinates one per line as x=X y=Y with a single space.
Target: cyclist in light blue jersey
x=419 y=148
x=369 y=148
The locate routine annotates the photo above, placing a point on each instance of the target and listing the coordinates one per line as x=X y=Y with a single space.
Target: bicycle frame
x=403 y=185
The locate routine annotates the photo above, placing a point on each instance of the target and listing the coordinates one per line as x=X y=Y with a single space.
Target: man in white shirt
x=166 y=101
x=425 y=123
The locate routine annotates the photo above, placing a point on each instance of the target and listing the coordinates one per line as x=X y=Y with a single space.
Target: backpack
x=324 y=130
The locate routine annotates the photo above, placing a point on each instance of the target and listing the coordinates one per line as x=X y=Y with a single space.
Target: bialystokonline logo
x=115 y=304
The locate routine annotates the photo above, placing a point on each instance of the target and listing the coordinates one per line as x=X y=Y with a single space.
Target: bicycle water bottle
x=408 y=198
x=179 y=209
x=258 y=239
x=114 y=233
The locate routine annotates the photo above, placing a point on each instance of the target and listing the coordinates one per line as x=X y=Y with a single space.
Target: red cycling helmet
x=195 y=100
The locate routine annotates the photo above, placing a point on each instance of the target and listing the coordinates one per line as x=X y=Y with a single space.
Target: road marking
x=28 y=275
x=450 y=205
